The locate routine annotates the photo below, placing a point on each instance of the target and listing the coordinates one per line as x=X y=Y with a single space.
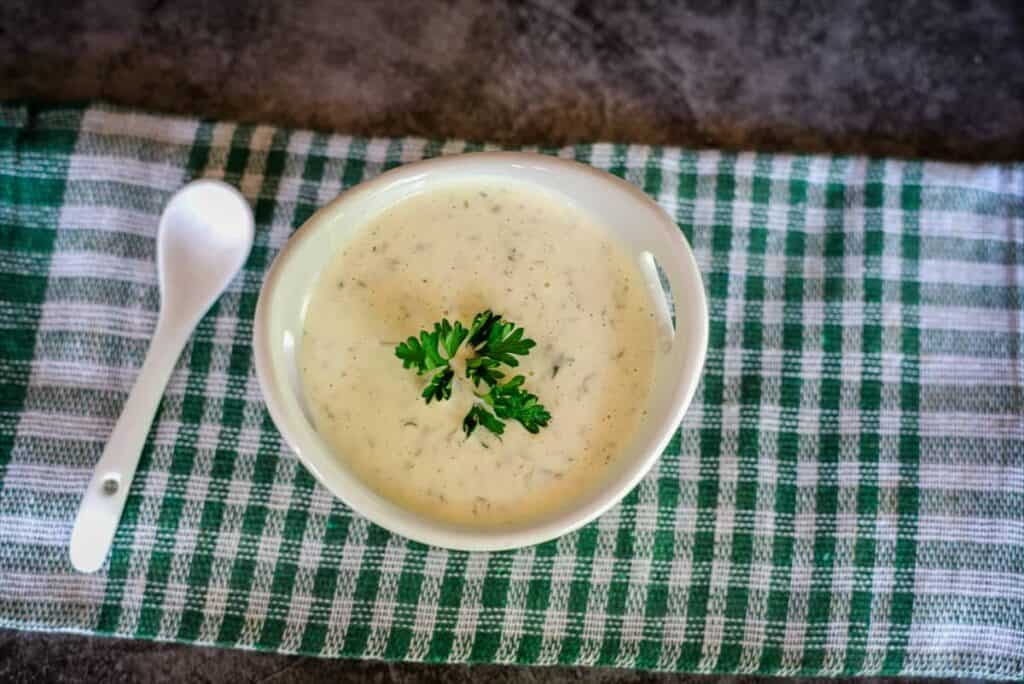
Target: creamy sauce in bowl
x=452 y=252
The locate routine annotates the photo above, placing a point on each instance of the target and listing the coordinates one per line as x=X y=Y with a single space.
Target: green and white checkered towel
x=845 y=496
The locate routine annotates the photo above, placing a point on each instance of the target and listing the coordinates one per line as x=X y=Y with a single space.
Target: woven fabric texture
x=845 y=495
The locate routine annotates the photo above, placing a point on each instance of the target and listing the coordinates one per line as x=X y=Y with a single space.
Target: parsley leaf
x=499 y=340
x=424 y=354
x=421 y=354
x=512 y=402
x=478 y=415
x=440 y=386
x=451 y=336
x=481 y=328
x=483 y=368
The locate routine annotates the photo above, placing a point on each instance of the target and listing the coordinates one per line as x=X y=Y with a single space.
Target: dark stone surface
x=33 y=658
x=937 y=79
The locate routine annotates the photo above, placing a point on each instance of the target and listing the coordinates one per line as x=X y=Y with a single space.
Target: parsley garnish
x=493 y=342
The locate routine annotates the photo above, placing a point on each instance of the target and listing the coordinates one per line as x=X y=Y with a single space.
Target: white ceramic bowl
x=640 y=225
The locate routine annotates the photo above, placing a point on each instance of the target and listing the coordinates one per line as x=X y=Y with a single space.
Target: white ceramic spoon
x=204 y=237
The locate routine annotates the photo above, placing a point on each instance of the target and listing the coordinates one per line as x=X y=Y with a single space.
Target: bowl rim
x=437 y=533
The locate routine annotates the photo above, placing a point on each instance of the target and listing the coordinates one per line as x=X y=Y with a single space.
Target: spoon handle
x=100 y=511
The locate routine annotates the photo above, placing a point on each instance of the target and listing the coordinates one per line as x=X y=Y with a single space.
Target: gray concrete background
x=35 y=658
x=942 y=79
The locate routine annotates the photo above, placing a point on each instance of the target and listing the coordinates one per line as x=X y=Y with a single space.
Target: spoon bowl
x=205 y=235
